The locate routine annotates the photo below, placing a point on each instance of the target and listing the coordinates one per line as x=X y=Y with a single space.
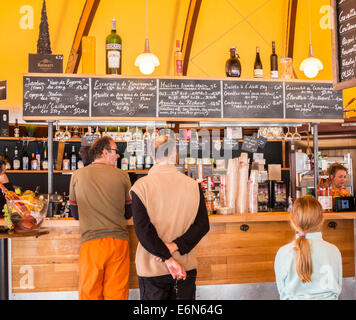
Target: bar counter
x=239 y=248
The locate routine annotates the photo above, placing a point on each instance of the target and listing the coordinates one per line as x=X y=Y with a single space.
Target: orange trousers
x=104 y=266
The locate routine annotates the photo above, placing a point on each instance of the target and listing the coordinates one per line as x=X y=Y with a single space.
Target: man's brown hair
x=97 y=148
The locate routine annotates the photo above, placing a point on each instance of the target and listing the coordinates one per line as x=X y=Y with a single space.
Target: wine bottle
x=16 y=163
x=233 y=65
x=274 y=62
x=25 y=159
x=17 y=204
x=44 y=164
x=6 y=159
x=178 y=60
x=258 y=71
x=73 y=159
x=16 y=129
x=113 y=51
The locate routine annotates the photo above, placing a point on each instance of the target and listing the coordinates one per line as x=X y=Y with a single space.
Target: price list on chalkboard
x=189 y=98
x=54 y=96
x=123 y=97
x=253 y=99
x=312 y=101
x=346 y=20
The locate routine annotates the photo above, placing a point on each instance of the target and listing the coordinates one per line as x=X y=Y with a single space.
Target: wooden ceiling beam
x=190 y=24
x=290 y=30
x=83 y=28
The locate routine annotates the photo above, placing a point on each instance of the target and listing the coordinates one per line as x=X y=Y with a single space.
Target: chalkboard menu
x=56 y=96
x=344 y=43
x=253 y=99
x=189 y=98
x=123 y=97
x=305 y=100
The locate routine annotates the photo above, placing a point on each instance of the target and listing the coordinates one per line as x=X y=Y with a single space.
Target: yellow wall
x=221 y=24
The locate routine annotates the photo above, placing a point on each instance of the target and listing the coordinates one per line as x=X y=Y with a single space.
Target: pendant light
x=146 y=61
x=311 y=65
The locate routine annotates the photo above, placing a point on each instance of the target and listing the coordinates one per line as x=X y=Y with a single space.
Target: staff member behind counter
x=6 y=182
x=338 y=174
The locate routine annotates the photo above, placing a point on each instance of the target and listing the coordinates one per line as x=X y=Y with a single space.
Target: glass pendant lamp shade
x=311 y=65
x=147 y=61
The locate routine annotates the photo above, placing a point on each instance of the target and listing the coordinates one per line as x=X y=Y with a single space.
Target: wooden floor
x=226 y=255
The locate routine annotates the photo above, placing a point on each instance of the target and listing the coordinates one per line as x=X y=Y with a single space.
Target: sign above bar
x=178 y=99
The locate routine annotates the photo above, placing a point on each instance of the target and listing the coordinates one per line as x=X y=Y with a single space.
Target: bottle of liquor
x=124 y=164
x=274 y=62
x=178 y=60
x=38 y=158
x=258 y=71
x=113 y=51
x=16 y=163
x=33 y=162
x=6 y=159
x=66 y=162
x=132 y=161
x=25 y=159
x=44 y=164
x=233 y=65
x=148 y=162
x=140 y=160
x=209 y=198
x=73 y=159
x=97 y=132
x=137 y=135
x=80 y=163
x=16 y=129
x=324 y=195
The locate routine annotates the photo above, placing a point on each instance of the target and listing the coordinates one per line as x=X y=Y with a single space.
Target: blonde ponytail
x=306 y=217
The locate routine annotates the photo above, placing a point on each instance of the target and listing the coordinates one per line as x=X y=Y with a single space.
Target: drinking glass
x=286 y=68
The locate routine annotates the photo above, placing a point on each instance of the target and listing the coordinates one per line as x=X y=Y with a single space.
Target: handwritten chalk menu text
x=123 y=97
x=312 y=101
x=56 y=96
x=346 y=30
x=254 y=99
x=189 y=99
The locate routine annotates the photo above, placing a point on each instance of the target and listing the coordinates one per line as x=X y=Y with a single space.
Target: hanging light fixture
x=146 y=61
x=311 y=65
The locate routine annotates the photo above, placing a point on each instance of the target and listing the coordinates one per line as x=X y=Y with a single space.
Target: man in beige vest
x=170 y=218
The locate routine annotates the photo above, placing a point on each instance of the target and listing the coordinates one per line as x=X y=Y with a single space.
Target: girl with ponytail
x=309 y=267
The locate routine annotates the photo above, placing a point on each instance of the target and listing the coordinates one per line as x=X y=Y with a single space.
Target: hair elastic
x=301 y=234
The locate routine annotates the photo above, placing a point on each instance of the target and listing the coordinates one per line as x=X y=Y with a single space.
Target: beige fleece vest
x=172 y=201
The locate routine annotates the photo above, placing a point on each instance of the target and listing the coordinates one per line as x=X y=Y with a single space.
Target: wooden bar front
x=226 y=255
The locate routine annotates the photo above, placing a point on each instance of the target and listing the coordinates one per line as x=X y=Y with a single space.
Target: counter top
x=216 y=218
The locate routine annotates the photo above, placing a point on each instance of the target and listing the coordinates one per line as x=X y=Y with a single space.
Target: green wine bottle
x=113 y=51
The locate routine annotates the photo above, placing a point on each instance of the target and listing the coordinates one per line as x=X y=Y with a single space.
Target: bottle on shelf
x=73 y=159
x=258 y=70
x=324 y=195
x=137 y=135
x=274 y=62
x=66 y=162
x=233 y=65
x=80 y=163
x=44 y=164
x=119 y=136
x=33 y=162
x=178 y=60
x=6 y=159
x=209 y=198
x=16 y=129
x=148 y=162
x=38 y=158
x=25 y=159
x=16 y=163
x=132 y=161
x=113 y=51
x=88 y=133
x=66 y=135
x=124 y=164
x=140 y=161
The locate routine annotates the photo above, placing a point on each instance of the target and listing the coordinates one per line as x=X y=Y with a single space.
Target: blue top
x=326 y=277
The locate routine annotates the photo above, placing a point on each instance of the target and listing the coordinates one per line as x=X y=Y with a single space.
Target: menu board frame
x=249 y=118
x=338 y=84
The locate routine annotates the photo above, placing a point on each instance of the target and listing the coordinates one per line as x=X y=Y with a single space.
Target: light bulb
x=147 y=61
